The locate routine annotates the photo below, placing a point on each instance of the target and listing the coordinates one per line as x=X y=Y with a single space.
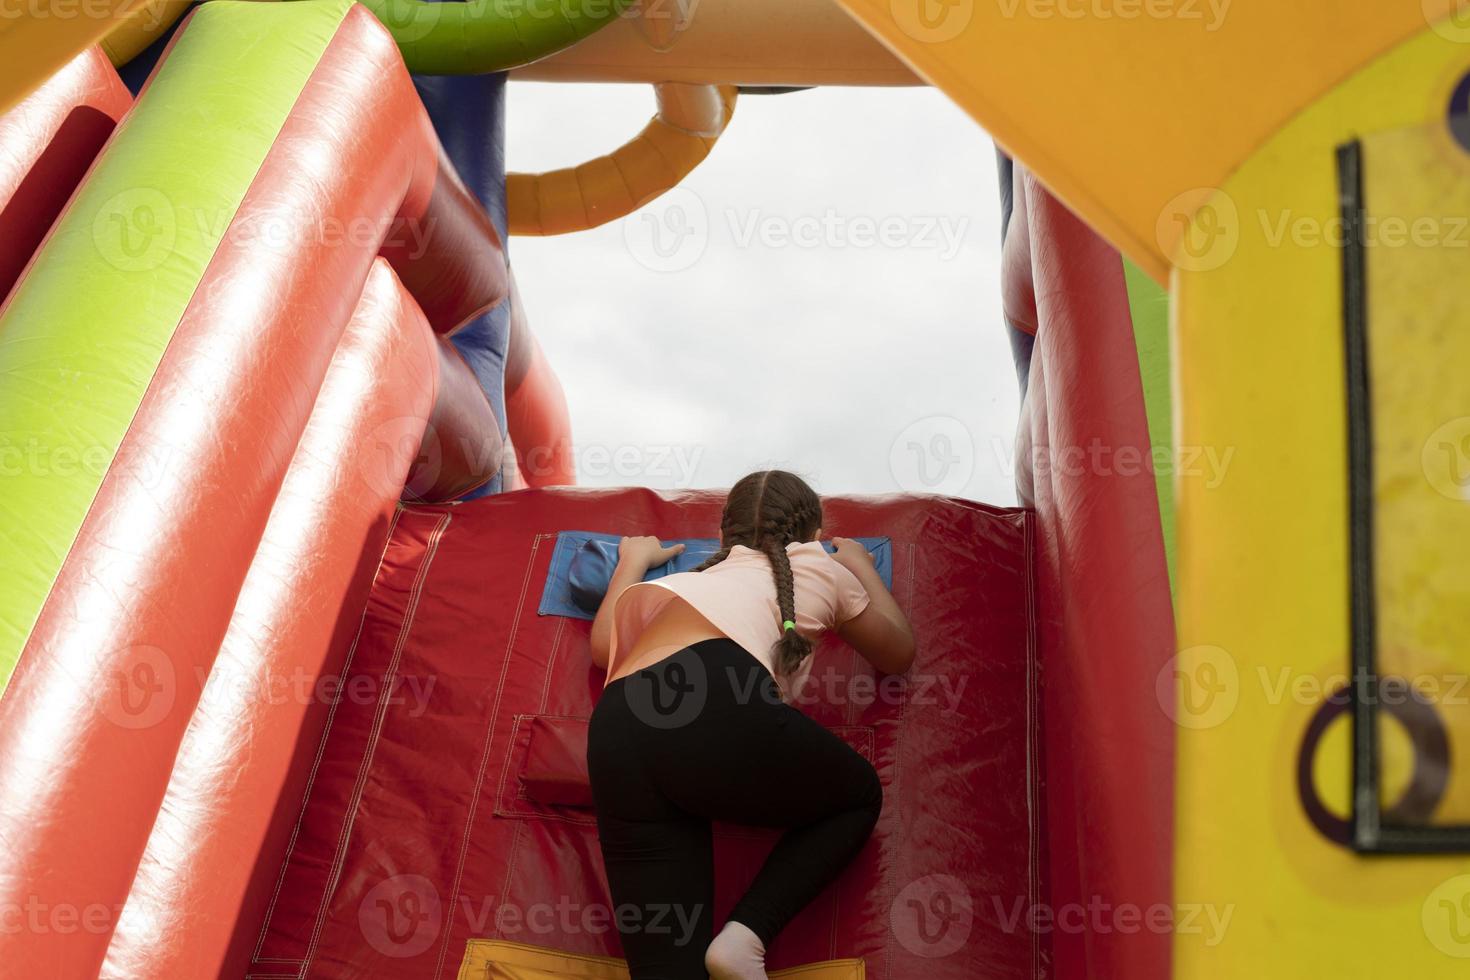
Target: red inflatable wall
x=1104 y=611
x=420 y=831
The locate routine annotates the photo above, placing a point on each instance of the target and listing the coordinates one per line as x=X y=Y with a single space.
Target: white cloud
x=848 y=287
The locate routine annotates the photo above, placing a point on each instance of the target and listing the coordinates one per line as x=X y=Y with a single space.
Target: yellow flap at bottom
x=494 y=959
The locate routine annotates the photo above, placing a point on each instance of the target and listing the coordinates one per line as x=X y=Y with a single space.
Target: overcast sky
x=821 y=294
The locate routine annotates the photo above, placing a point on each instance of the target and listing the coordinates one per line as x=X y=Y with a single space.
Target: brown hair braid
x=766 y=511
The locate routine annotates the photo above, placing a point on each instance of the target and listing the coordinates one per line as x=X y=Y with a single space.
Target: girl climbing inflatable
x=693 y=726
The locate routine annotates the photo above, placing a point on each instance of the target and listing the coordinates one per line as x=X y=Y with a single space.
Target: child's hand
x=850 y=553
x=647 y=551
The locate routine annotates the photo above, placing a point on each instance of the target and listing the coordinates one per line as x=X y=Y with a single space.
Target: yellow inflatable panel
x=148 y=20
x=1263 y=796
x=33 y=47
x=1125 y=107
x=486 y=959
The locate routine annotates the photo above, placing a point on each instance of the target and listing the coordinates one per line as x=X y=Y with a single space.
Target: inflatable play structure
x=293 y=573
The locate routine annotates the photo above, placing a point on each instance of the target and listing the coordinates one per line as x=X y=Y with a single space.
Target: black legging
x=702 y=735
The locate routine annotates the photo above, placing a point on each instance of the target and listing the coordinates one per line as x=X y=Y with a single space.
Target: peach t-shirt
x=738 y=596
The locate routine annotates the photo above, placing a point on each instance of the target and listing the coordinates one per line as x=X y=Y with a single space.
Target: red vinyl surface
x=1104 y=611
x=293 y=623
x=151 y=582
x=47 y=142
x=417 y=832
x=536 y=414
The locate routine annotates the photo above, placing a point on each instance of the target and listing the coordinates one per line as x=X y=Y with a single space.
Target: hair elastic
x=788 y=625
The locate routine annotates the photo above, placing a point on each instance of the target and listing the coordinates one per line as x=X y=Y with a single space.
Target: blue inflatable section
x=468 y=112
x=582 y=565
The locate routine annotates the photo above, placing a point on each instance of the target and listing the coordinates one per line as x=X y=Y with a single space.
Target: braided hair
x=766 y=511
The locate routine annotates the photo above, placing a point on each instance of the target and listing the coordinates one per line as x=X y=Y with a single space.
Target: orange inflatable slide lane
x=316 y=560
x=227 y=303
